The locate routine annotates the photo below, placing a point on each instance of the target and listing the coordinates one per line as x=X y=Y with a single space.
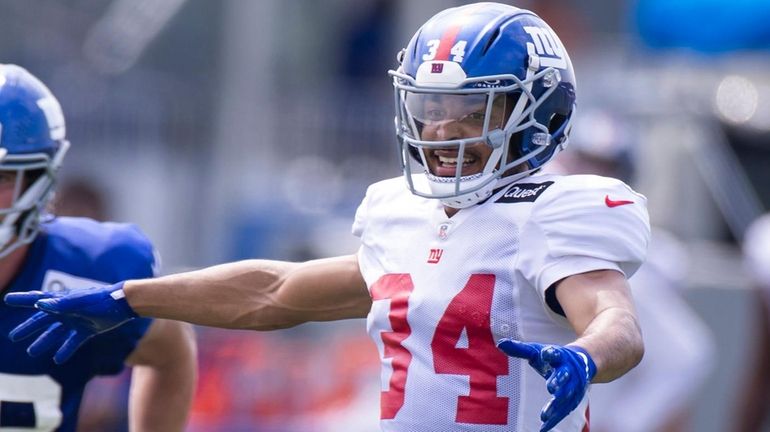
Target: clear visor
x=446 y=117
x=459 y=136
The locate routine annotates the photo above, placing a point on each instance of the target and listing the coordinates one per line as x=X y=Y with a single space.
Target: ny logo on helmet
x=547 y=45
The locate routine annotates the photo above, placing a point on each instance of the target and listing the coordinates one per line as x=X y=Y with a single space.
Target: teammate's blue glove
x=568 y=370
x=69 y=320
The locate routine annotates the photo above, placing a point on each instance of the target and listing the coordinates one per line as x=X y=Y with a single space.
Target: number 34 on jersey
x=468 y=314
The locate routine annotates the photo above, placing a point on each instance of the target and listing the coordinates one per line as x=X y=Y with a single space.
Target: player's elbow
x=635 y=345
x=637 y=353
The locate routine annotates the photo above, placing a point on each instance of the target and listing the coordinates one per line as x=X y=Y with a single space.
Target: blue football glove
x=69 y=320
x=568 y=370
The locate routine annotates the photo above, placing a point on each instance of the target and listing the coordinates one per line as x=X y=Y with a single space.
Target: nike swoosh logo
x=612 y=203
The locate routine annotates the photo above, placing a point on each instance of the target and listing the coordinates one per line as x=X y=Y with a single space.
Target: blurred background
x=250 y=128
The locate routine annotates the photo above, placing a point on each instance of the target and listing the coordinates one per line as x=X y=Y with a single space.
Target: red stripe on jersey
x=587 y=427
x=447 y=42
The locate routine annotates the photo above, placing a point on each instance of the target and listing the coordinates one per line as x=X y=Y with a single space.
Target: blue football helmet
x=32 y=145
x=497 y=67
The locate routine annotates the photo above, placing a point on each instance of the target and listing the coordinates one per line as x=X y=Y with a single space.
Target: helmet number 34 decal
x=547 y=45
x=457 y=52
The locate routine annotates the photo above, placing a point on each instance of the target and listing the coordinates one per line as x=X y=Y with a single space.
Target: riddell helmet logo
x=437 y=68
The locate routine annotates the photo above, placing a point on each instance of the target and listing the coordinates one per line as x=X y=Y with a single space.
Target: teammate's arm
x=163 y=378
x=599 y=306
x=256 y=294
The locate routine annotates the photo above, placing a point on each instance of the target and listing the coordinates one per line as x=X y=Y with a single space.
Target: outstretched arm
x=600 y=308
x=598 y=305
x=256 y=294
x=163 y=378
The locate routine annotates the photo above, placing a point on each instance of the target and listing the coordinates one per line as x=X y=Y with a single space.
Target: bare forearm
x=255 y=294
x=161 y=400
x=217 y=296
x=163 y=377
x=600 y=308
x=614 y=340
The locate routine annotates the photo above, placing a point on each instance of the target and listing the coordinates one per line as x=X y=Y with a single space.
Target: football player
x=476 y=257
x=63 y=255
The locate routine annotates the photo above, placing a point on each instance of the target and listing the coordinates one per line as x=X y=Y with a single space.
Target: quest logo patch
x=524 y=192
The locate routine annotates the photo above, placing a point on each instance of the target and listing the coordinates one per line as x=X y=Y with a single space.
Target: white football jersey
x=444 y=290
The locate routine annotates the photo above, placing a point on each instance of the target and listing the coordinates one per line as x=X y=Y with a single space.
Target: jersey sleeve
x=130 y=246
x=582 y=224
x=130 y=252
x=359 y=223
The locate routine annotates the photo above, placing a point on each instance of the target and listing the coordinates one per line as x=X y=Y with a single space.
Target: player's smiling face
x=453 y=117
x=442 y=162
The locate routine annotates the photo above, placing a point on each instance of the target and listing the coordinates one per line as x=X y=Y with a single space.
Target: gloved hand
x=69 y=320
x=568 y=371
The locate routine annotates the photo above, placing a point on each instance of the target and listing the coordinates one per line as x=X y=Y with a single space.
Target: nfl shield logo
x=437 y=68
x=442 y=231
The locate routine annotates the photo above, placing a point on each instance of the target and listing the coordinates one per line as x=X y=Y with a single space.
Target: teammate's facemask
x=32 y=145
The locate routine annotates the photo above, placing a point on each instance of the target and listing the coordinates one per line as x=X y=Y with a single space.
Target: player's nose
x=442 y=131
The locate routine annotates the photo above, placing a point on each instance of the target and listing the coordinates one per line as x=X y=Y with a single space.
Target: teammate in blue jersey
x=41 y=252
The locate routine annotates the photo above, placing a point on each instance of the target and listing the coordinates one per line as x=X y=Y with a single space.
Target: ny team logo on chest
x=434 y=256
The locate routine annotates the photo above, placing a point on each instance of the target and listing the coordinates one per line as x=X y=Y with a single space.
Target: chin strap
x=469 y=199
